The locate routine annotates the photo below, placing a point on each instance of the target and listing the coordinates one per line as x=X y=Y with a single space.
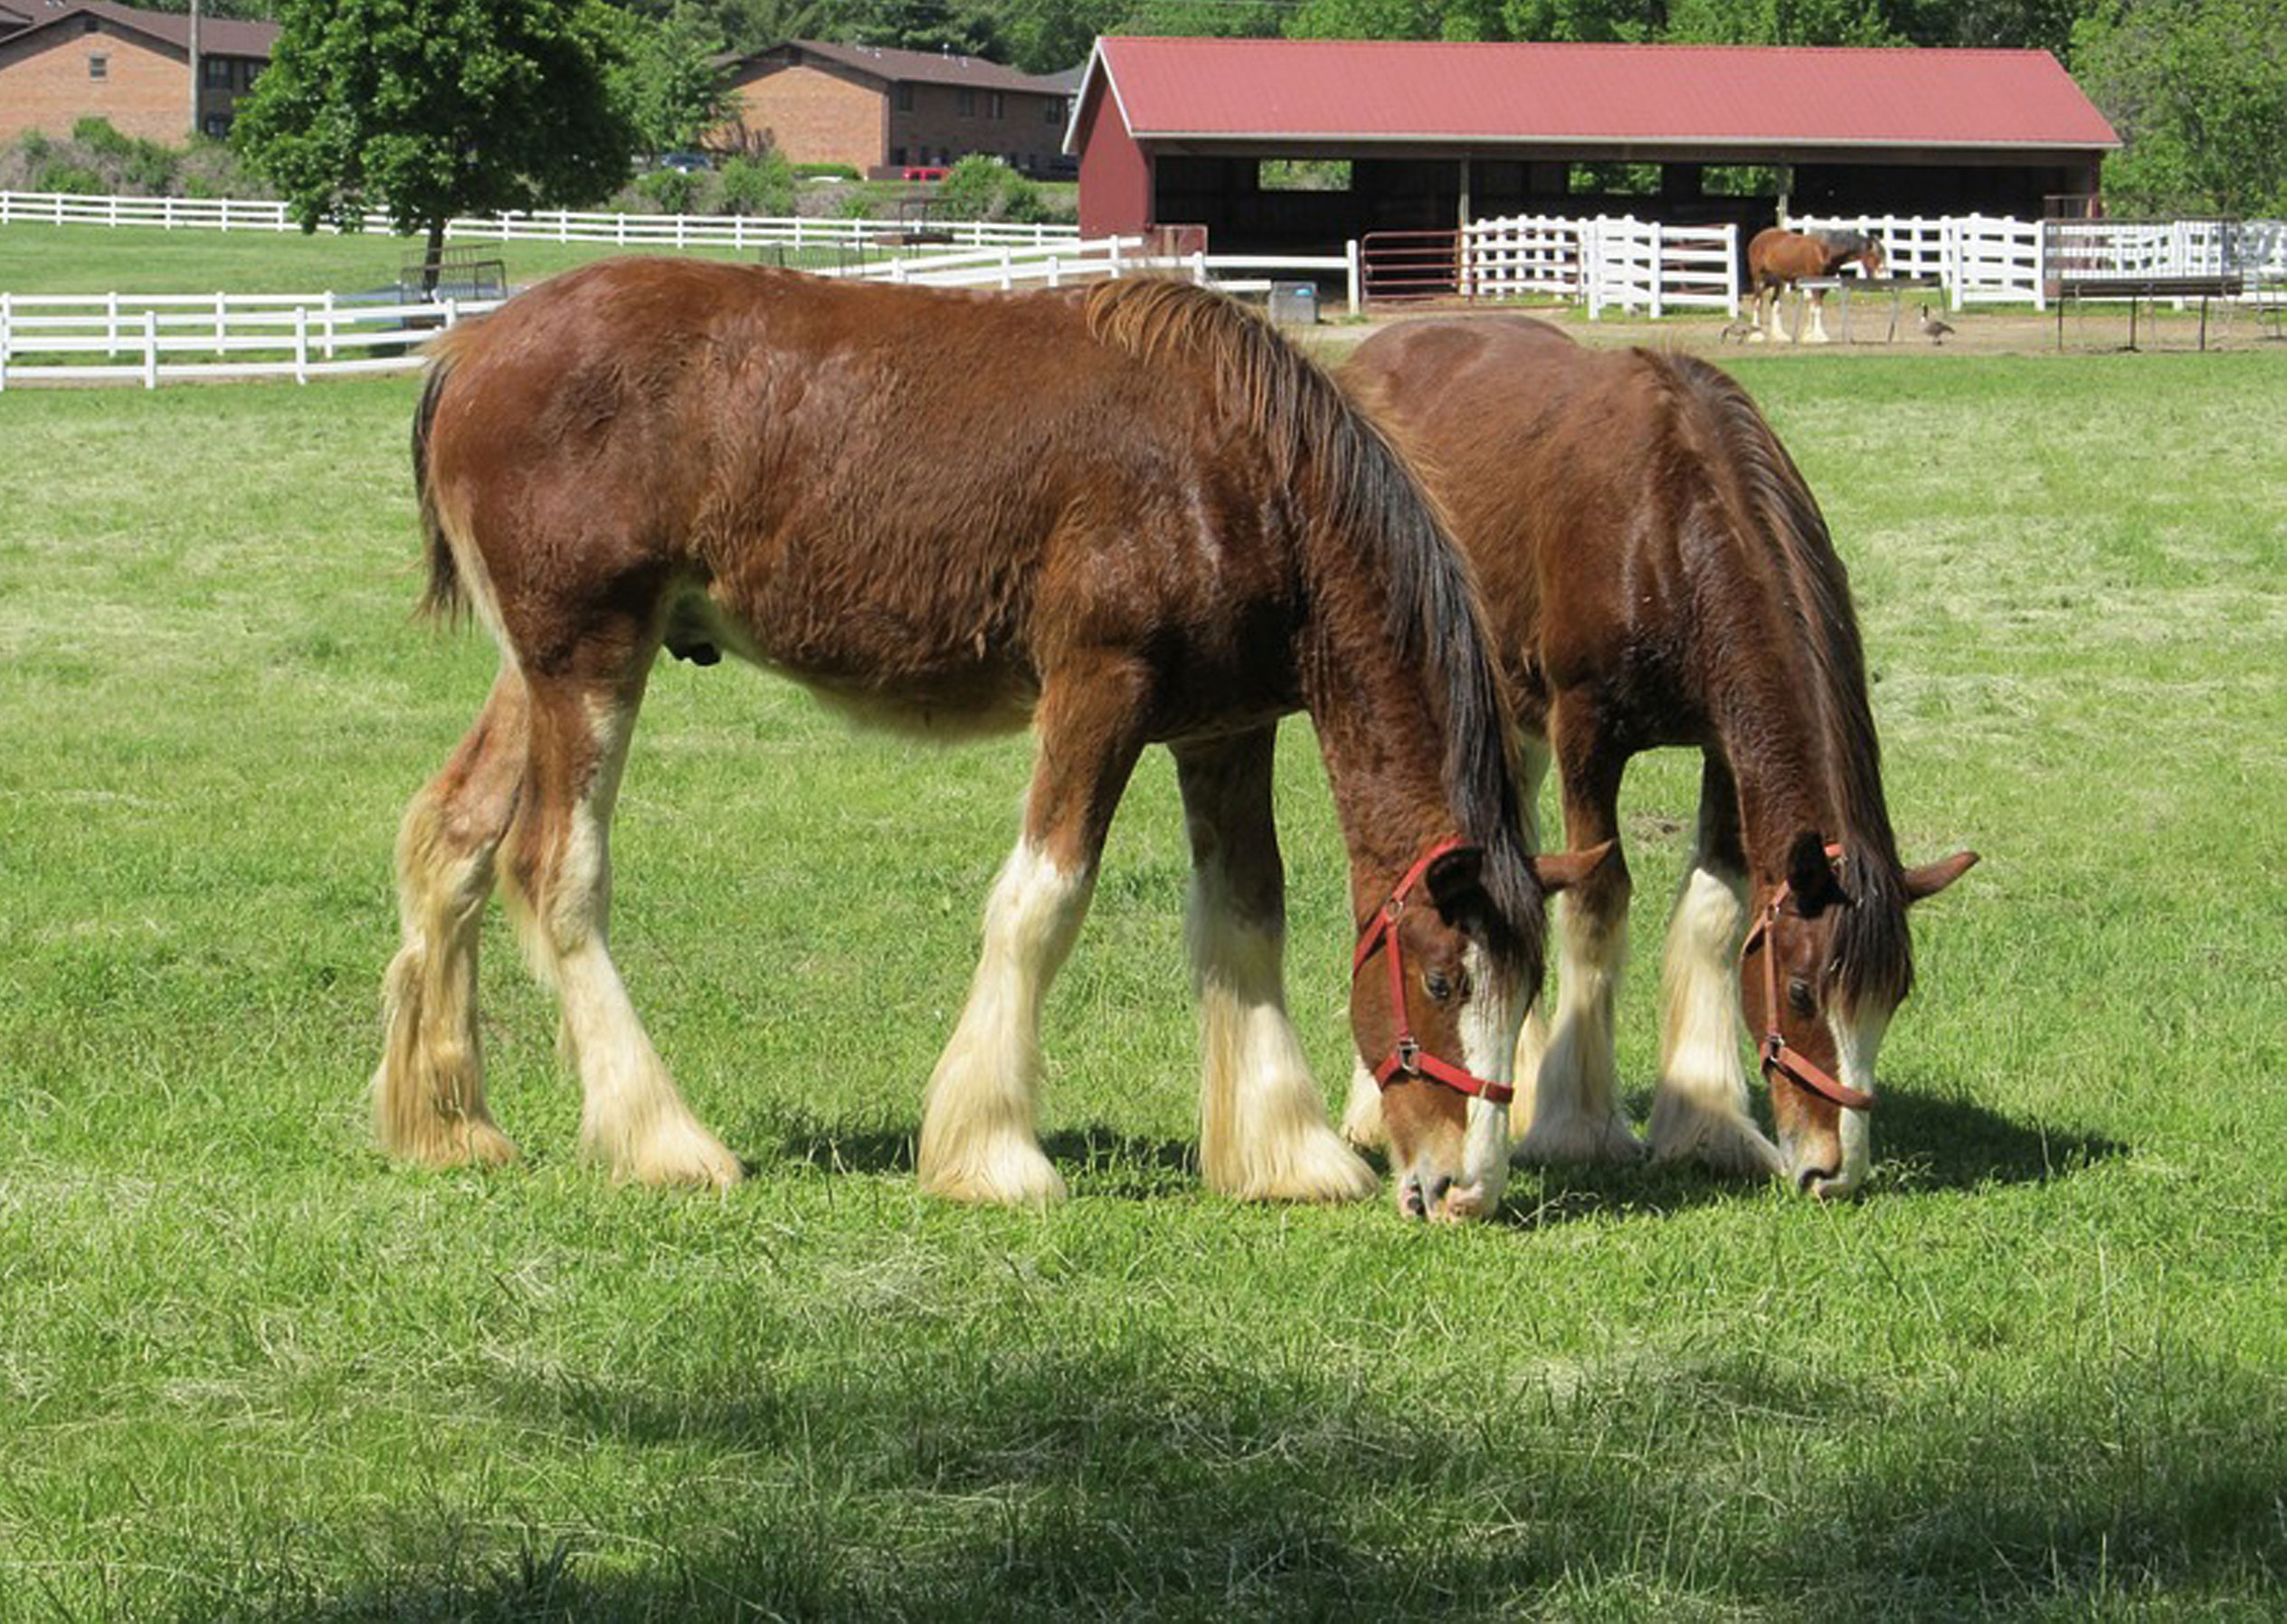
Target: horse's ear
x=1810 y=876
x=1561 y=871
x=1930 y=878
x=1455 y=876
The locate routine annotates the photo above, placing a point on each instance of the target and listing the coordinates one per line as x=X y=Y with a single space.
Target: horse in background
x=1656 y=571
x=1777 y=259
x=1124 y=515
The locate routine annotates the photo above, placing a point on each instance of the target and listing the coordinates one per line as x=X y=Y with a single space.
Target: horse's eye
x=1799 y=997
x=1440 y=985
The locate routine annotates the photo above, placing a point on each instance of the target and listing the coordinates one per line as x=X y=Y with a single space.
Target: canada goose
x=1937 y=330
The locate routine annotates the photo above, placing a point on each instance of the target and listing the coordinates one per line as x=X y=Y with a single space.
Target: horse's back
x=903 y=494
x=1568 y=474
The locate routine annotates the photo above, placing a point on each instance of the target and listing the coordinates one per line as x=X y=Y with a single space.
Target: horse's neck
x=1384 y=755
x=1774 y=728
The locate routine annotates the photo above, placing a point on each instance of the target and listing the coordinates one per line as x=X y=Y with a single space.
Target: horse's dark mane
x=1873 y=955
x=1320 y=442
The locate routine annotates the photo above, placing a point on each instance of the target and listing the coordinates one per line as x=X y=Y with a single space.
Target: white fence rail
x=240 y=336
x=155 y=339
x=1976 y=259
x=550 y=225
x=1521 y=255
x=1982 y=259
x=1605 y=262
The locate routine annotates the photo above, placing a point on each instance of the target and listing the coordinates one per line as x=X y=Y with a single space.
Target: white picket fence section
x=1521 y=255
x=158 y=338
x=1643 y=265
x=1606 y=262
x=1976 y=258
x=549 y=225
x=239 y=335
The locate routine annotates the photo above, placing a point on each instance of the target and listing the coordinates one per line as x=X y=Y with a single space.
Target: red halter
x=1777 y=1056
x=1405 y=1057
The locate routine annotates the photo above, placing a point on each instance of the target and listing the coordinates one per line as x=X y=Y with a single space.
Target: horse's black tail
x=445 y=598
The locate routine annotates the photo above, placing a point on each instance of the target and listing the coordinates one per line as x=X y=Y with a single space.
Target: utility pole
x=196 y=125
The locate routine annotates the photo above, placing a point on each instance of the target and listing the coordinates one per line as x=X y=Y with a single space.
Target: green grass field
x=248 y=1371
x=88 y=259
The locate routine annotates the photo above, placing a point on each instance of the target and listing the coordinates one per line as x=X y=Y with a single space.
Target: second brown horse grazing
x=1127 y=515
x=1777 y=259
x=1656 y=571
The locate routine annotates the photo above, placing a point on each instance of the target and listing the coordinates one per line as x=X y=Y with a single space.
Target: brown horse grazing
x=1656 y=571
x=1778 y=259
x=1128 y=514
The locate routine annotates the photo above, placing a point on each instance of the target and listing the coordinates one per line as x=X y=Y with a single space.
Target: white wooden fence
x=1606 y=262
x=550 y=225
x=1976 y=259
x=152 y=339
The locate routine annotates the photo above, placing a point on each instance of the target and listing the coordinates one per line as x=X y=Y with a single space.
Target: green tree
x=429 y=109
x=2197 y=90
x=674 y=93
x=1780 y=22
x=956 y=27
x=759 y=185
x=981 y=188
x=1459 y=20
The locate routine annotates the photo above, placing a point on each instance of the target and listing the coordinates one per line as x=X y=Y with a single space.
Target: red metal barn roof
x=1635 y=96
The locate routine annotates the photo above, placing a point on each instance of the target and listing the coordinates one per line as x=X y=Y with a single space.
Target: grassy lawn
x=94 y=259
x=248 y=1369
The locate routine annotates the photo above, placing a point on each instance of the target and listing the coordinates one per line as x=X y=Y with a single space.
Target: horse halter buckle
x=1407 y=1058
x=1778 y=1056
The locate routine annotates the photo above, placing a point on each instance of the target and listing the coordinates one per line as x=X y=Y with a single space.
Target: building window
x=965 y=103
x=217 y=125
x=901 y=96
x=1051 y=112
x=995 y=104
x=99 y=65
x=217 y=70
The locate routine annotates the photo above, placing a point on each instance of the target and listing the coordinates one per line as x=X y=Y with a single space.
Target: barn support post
x=1350 y=253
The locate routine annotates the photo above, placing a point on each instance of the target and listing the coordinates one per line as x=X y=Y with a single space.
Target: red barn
x=1427 y=135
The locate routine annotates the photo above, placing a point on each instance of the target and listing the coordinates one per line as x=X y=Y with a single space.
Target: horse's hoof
x=1573 y=1140
x=1009 y=1172
x=1361 y=1123
x=1729 y=1145
x=1316 y=1167
x=674 y=1155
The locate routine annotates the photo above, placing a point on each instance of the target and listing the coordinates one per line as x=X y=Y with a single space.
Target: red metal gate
x=1397 y=267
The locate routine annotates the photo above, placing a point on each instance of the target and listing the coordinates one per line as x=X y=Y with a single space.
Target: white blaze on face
x=1489 y=1023
x=1857 y=1040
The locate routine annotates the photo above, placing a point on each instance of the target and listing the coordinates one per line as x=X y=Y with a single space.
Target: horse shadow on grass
x=1922 y=1143
x=1148 y=1478
x=1096 y=1160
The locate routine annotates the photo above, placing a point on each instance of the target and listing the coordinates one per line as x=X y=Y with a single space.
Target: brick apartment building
x=882 y=110
x=91 y=59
